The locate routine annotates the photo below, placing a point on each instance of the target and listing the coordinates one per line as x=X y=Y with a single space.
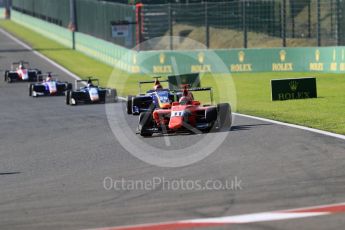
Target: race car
x=187 y=116
x=92 y=93
x=152 y=99
x=49 y=87
x=21 y=71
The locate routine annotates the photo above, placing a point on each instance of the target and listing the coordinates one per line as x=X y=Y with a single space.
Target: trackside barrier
x=313 y=59
x=101 y=50
x=52 y=31
x=2 y=13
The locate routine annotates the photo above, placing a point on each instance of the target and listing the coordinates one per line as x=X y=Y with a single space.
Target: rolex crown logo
x=282 y=55
x=162 y=58
x=201 y=57
x=241 y=56
x=293 y=85
x=317 y=55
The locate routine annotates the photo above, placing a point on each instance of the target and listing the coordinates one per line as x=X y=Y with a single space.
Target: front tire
x=72 y=99
x=224 y=116
x=31 y=87
x=6 y=76
x=145 y=124
x=68 y=95
x=211 y=115
x=129 y=105
x=9 y=79
x=69 y=86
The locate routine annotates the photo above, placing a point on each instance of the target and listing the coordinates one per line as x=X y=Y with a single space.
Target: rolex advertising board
x=294 y=88
x=310 y=59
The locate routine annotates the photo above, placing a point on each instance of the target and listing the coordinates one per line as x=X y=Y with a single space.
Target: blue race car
x=49 y=87
x=92 y=93
x=157 y=98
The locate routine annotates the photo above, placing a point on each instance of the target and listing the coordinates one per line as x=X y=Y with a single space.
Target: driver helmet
x=157 y=85
x=49 y=77
x=89 y=83
x=185 y=100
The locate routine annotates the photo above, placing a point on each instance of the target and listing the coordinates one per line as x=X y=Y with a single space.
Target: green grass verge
x=327 y=112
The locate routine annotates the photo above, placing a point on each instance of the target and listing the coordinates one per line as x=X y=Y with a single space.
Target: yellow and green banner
x=318 y=59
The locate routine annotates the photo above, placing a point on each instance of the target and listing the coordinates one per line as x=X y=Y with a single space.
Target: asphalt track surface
x=54 y=158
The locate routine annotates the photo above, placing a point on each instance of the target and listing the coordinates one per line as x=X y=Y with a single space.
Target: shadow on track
x=246 y=127
x=9 y=173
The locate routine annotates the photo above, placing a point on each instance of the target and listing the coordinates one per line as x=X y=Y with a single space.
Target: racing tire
x=139 y=101
x=145 y=123
x=129 y=104
x=68 y=94
x=38 y=88
x=6 y=75
x=9 y=77
x=72 y=99
x=69 y=86
x=211 y=115
x=31 y=87
x=224 y=116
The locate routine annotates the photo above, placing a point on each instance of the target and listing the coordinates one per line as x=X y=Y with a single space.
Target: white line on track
x=325 y=133
x=39 y=54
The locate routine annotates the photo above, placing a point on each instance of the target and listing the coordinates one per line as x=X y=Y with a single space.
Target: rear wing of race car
x=148 y=82
x=85 y=81
x=20 y=62
x=40 y=77
x=198 y=90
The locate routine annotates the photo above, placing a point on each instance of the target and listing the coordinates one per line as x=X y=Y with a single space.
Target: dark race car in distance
x=21 y=71
x=92 y=93
x=49 y=87
x=186 y=116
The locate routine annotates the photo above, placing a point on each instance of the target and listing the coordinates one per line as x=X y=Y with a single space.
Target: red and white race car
x=21 y=71
x=49 y=87
x=187 y=115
